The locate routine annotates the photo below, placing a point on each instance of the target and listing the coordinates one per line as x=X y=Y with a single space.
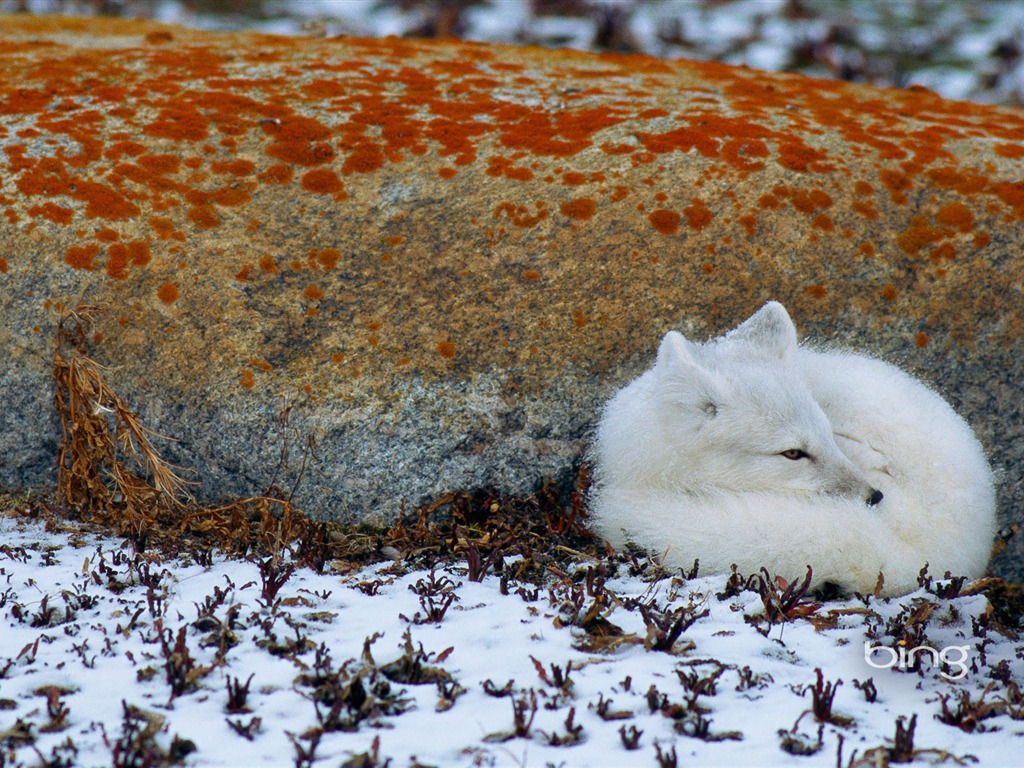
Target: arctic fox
x=754 y=450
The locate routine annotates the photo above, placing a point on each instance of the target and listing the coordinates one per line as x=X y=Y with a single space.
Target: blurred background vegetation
x=964 y=49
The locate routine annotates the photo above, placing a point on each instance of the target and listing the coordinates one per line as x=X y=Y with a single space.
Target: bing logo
x=954 y=656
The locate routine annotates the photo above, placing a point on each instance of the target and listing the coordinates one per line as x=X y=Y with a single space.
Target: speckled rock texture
x=369 y=271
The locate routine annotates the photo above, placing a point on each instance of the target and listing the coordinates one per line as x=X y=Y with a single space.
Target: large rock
x=436 y=259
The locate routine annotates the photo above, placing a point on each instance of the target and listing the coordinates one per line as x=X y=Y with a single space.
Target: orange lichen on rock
x=665 y=221
x=681 y=140
x=344 y=107
x=276 y=174
x=203 y=216
x=809 y=201
x=799 y=156
x=698 y=215
x=579 y=208
x=117 y=261
x=299 y=140
x=866 y=209
x=561 y=134
x=167 y=293
x=322 y=181
x=1012 y=195
x=520 y=215
x=956 y=215
x=918 y=235
x=165 y=229
x=82 y=256
x=823 y=222
x=50 y=177
x=1012 y=151
x=943 y=251
x=746 y=154
x=55 y=213
x=234 y=167
x=617 y=149
x=138 y=253
x=326 y=258
x=365 y=157
x=502 y=166
x=446 y=350
x=964 y=181
x=898 y=183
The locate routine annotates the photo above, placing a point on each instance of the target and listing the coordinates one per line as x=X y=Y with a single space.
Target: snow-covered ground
x=113 y=658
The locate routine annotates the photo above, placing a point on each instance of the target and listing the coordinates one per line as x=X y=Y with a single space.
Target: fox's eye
x=794 y=454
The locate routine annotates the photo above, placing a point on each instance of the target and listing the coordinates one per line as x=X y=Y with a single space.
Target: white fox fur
x=690 y=460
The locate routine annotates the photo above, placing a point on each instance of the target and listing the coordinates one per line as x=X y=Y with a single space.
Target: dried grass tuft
x=107 y=465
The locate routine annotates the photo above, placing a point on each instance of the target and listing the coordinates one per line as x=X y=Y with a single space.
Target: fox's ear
x=674 y=352
x=770 y=329
x=681 y=377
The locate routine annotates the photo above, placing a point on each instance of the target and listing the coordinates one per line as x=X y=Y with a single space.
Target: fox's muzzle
x=874 y=497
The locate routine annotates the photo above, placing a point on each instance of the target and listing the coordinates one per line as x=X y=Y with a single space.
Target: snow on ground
x=113 y=658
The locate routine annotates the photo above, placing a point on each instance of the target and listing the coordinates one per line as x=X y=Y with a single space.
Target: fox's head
x=736 y=413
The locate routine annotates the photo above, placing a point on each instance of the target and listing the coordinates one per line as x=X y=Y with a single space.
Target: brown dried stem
x=107 y=464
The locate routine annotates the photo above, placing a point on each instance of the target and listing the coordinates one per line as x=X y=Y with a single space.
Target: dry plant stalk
x=107 y=465
x=250 y=523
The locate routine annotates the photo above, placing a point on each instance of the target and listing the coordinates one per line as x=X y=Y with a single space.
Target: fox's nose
x=875 y=497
